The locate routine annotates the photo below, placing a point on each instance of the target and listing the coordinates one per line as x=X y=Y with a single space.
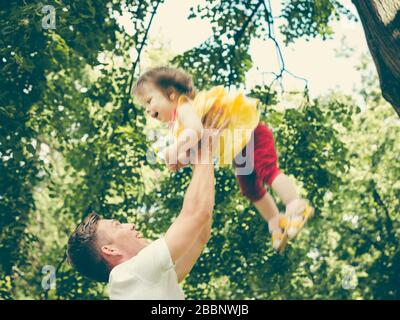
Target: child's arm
x=189 y=137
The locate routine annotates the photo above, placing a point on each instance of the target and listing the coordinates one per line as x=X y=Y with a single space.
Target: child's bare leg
x=285 y=189
x=266 y=206
x=287 y=192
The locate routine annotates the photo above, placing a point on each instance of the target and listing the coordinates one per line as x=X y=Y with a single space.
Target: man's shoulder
x=149 y=257
x=145 y=273
x=152 y=249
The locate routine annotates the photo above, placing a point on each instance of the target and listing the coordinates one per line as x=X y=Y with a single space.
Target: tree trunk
x=381 y=22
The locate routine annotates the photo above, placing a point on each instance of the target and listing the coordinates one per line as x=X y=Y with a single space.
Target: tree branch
x=271 y=35
x=380 y=20
x=239 y=35
x=388 y=222
x=125 y=103
x=142 y=45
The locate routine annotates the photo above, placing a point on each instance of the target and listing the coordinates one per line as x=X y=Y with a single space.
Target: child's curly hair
x=166 y=78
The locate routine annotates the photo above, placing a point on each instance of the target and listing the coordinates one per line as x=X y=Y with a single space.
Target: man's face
x=157 y=105
x=119 y=240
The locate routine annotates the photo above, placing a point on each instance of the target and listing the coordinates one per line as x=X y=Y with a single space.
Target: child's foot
x=276 y=227
x=298 y=211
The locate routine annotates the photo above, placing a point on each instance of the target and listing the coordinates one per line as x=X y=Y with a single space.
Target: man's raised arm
x=196 y=211
x=199 y=199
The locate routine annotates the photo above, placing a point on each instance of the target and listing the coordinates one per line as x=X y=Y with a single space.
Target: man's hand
x=179 y=163
x=171 y=158
x=170 y=154
x=211 y=134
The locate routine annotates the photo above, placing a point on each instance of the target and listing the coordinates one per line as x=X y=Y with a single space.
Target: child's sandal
x=298 y=220
x=279 y=238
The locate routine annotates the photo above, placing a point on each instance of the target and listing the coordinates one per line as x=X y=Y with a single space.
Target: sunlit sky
x=314 y=60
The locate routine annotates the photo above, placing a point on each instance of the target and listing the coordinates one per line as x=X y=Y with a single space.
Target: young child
x=168 y=95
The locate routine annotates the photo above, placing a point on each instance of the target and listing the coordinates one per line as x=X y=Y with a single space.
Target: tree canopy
x=72 y=141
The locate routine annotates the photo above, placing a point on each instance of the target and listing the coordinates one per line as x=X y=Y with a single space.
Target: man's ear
x=109 y=251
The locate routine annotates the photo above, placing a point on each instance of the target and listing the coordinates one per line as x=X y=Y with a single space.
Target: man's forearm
x=188 y=139
x=200 y=194
x=197 y=206
x=185 y=264
x=195 y=214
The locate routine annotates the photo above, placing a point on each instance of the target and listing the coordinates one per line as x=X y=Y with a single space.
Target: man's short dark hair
x=84 y=253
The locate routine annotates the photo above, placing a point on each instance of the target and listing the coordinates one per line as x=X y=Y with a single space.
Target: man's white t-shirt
x=150 y=275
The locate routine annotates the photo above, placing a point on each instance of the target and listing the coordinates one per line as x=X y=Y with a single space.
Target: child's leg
x=295 y=205
x=255 y=192
x=287 y=192
x=285 y=189
x=266 y=169
x=265 y=204
x=267 y=207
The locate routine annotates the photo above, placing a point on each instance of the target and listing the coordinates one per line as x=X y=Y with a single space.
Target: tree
x=54 y=95
x=381 y=22
x=72 y=142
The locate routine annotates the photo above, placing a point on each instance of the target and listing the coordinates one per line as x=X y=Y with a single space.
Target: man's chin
x=142 y=242
x=145 y=242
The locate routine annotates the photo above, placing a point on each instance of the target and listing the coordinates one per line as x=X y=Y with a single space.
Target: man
x=106 y=250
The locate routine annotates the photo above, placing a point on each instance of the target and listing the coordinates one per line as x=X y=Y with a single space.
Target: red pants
x=265 y=168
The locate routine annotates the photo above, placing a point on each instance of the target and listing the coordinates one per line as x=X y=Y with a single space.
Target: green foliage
x=311 y=18
x=57 y=96
x=224 y=58
x=72 y=142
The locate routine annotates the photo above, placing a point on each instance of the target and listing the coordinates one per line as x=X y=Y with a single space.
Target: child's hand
x=175 y=167
x=172 y=160
x=172 y=167
x=170 y=155
x=182 y=162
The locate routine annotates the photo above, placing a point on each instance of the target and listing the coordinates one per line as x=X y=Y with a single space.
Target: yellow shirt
x=243 y=114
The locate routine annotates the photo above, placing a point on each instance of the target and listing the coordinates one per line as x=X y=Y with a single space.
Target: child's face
x=157 y=105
